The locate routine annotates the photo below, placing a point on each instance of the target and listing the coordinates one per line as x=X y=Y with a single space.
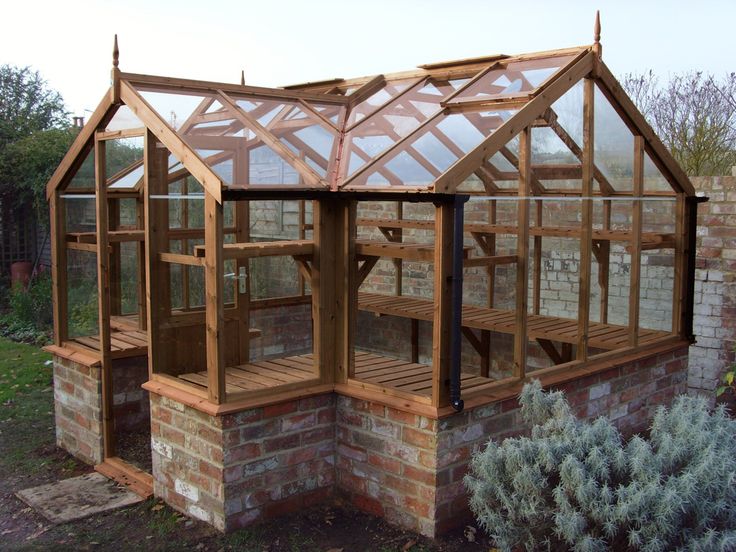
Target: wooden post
x=537 y=277
x=113 y=223
x=636 y=223
x=242 y=235
x=399 y=237
x=522 y=254
x=324 y=298
x=346 y=287
x=442 y=317
x=604 y=263
x=141 y=257
x=679 y=289
x=214 y=275
x=155 y=179
x=59 y=289
x=103 y=299
x=586 y=230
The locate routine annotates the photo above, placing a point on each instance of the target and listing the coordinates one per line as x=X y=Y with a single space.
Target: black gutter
x=457 y=301
x=691 y=206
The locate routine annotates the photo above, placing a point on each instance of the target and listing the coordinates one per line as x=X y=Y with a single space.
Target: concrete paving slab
x=78 y=497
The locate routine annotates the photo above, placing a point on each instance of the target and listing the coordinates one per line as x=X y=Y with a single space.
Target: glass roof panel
x=376 y=133
x=383 y=96
x=420 y=159
x=512 y=79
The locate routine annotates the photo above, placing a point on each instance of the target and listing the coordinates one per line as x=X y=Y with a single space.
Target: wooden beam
x=442 y=313
x=168 y=136
x=311 y=178
x=185 y=86
x=347 y=282
x=679 y=288
x=214 y=274
x=636 y=224
x=324 y=300
x=156 y=214
x=549 y=348
x=586 y=225
x=522 y=252
x=103 y=299
x=464 y=167
x=638 y=125
x=537 y=269
x=251 y=250
x=81 y=146
x=59 y=287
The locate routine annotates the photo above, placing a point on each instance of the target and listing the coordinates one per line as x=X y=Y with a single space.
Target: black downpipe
x=457 y=301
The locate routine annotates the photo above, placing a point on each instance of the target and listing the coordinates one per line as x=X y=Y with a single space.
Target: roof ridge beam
x=208 y=86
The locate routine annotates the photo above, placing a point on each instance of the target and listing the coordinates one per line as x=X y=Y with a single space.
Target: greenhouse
x=397 y=252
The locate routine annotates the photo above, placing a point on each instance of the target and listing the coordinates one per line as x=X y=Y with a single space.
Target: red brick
x=416 y=506
x=389 y=465
x=305 y=420
x=279 y=409
x=367 y=504
x=404 y=486
x=282 y=443
x=401 y=416
x=247 y=451
x=420 y=438
x=422 y=476
x=318 y=434
x=299 y=456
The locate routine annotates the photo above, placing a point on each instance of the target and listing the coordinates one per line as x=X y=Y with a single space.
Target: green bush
x=575 y=485
x=29 y=317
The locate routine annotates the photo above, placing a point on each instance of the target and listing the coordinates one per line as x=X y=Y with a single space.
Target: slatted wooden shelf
x=260 y=375
x=261 y=249
x=124 y=344
x=563 y=330
x=402 y=377
x=650 y=240
x=397 y=250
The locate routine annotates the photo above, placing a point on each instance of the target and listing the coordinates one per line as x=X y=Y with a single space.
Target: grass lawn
x=29 y=457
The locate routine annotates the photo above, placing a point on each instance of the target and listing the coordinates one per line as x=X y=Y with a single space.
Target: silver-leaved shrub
x=577 y=485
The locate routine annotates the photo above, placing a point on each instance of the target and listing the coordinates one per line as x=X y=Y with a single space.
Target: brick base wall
x=78 y=409
x=409 y=469
x=78 y=404
x=236 y=469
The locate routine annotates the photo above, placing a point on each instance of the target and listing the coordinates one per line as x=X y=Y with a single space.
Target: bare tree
x=694 y=114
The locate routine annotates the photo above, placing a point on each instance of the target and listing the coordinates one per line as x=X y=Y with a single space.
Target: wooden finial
x=115 y=53
x=597 y=48
x=242 y=77
x=115 y=73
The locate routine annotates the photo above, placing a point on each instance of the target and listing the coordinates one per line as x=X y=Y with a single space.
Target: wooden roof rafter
x=173 y=142
x=311 y=178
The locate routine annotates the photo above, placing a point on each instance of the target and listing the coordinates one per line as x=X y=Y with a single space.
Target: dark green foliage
x=29 y=316
x=576 y=485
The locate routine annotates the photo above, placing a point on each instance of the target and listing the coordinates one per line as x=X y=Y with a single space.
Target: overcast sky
x=281 y=42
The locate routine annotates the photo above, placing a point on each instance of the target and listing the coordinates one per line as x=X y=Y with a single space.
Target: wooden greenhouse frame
x=496 y=96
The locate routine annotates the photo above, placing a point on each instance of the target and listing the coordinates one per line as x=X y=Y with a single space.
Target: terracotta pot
x=20 y=273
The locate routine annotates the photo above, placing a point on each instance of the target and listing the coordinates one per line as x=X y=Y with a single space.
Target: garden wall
x=715 y=284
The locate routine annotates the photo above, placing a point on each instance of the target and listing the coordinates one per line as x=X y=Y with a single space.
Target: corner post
x=442 y=316
x=636 y=223
x=522 y=254
x=214 y=275
x=57 y=223
x=586 y=230
x=103 y=297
